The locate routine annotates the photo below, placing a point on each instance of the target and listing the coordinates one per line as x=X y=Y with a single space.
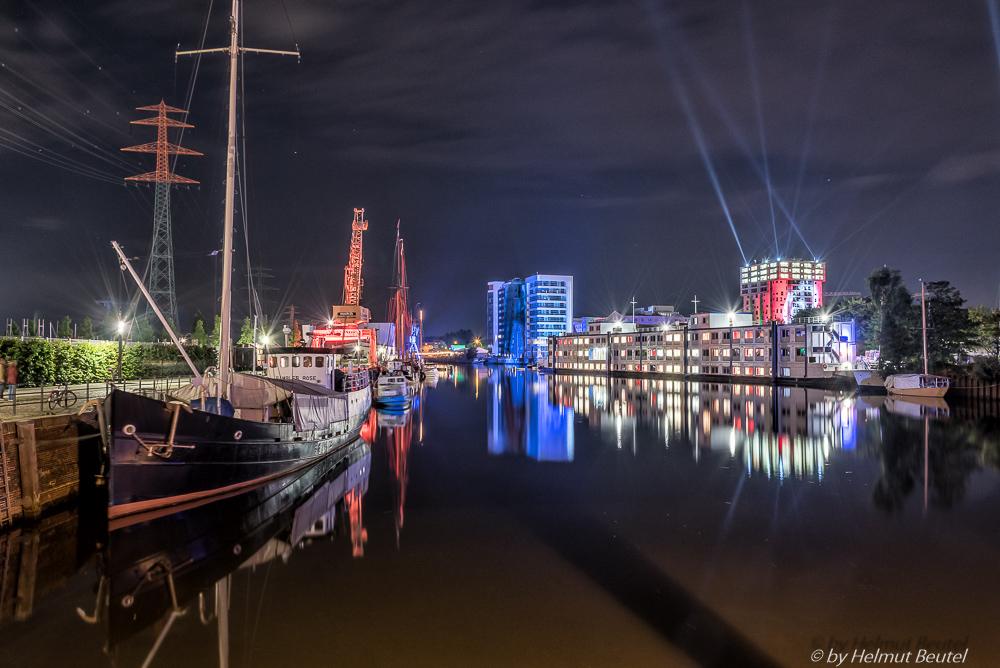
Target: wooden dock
x=40 y=463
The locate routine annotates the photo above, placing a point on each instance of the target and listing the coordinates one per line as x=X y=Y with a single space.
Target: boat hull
x=926 y=392
x=397 y=402
x=212 y=454
x=204 y=545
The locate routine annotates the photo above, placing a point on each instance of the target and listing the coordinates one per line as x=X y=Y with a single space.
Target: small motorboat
x=393 y=391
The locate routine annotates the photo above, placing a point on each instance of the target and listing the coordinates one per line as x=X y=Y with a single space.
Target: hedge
x=49 y=362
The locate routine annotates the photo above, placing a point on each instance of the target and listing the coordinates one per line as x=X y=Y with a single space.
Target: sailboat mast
x=227 y=246
x=923 y=315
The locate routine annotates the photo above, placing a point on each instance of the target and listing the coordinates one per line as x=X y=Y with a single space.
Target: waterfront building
x=493 y=316
x=521 y=315
x=649 y=316
x=715 y=345
x=776 y=291
x=549 y=311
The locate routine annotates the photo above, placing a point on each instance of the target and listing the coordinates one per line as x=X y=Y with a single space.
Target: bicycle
x=63 y=398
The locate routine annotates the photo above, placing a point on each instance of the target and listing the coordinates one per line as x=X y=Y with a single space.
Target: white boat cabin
x=323 y=366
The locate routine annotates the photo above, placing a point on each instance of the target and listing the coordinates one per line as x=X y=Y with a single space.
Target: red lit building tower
x=776 y=291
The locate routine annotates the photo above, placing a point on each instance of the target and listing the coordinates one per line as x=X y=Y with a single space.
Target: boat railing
x=356 y=381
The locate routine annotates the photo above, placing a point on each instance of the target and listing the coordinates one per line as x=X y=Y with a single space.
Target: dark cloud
x=510 y=138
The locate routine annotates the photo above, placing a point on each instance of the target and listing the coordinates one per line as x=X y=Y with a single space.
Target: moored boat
x=165 y=453
x=869 y=381
x=917 y=385
x=221 y=435
x=393 y=391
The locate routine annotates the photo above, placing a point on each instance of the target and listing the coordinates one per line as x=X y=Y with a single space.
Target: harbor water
x=511 y=518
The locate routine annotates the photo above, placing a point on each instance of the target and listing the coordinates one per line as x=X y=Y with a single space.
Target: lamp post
x=264 y=341
x=121 y=340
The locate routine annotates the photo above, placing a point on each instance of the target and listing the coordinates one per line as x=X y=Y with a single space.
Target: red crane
x=352 y=272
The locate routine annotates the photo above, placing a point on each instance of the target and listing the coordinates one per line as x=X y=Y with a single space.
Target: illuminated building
x=521 y=315
x=649 y=316
x=714 y=345
x=776 y=291
x=493 y=316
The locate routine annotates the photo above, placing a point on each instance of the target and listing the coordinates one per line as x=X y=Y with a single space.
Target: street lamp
x=121 y=339
x=265 y=341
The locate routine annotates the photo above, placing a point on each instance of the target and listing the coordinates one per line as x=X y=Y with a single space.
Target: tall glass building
x=522 y=314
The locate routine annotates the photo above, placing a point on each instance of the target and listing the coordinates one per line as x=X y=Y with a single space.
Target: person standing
x=3 y=375
x=12 y=377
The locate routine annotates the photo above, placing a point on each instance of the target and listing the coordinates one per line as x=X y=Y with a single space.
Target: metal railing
x=36 y=400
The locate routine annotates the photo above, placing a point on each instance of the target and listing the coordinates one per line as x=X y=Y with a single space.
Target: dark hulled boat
x=157 y=568
x=164 y=453
x=219 y=436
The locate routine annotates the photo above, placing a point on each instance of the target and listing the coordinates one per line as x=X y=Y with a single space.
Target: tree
x=461 y=336
x=246 y=334
x=109 y=326
x=216 y=332
x=296 y=334
x=985 y=326
x=948 y=331
x=198 y=333
x=87 y=329
x=32 y=328
x=144 y=331
x=65 y=328
x=14 y=329
x=165 y=335
x=860 y=310
x=199 y=318
x=892 y=322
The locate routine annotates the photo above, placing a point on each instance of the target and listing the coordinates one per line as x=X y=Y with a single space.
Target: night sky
x=647 y=148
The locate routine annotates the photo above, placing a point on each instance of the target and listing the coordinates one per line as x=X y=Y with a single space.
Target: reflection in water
x=777 y=432
x=168 y=576
x=397 y=428
x=154 y=573
x=525 y=420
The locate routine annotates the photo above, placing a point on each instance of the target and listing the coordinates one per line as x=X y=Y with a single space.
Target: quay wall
x=41 y=464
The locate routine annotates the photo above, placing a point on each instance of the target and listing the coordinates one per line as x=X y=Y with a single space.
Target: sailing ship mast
x=399 y=313
x=234 y=49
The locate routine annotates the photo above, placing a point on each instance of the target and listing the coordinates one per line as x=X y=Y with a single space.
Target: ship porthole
x=129 y=429
x=238 y=435
x=127 y=601
x=237 y=549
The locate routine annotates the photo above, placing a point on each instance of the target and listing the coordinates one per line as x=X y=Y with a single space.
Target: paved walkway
x=33 y=402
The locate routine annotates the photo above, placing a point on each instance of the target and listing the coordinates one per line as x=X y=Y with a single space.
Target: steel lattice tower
x=161 y=261
x=352 y=272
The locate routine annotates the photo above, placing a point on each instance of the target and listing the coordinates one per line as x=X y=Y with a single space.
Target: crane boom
x=352 y=272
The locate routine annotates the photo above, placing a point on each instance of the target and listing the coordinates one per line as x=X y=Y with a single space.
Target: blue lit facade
x=521 y=315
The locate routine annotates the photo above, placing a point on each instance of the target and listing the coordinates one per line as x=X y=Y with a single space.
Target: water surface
x=512 y=519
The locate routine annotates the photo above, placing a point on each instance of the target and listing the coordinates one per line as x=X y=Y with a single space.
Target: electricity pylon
x=161 y=261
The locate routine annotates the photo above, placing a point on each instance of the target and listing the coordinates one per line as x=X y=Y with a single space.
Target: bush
x=986 y=369
x=43 y=362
